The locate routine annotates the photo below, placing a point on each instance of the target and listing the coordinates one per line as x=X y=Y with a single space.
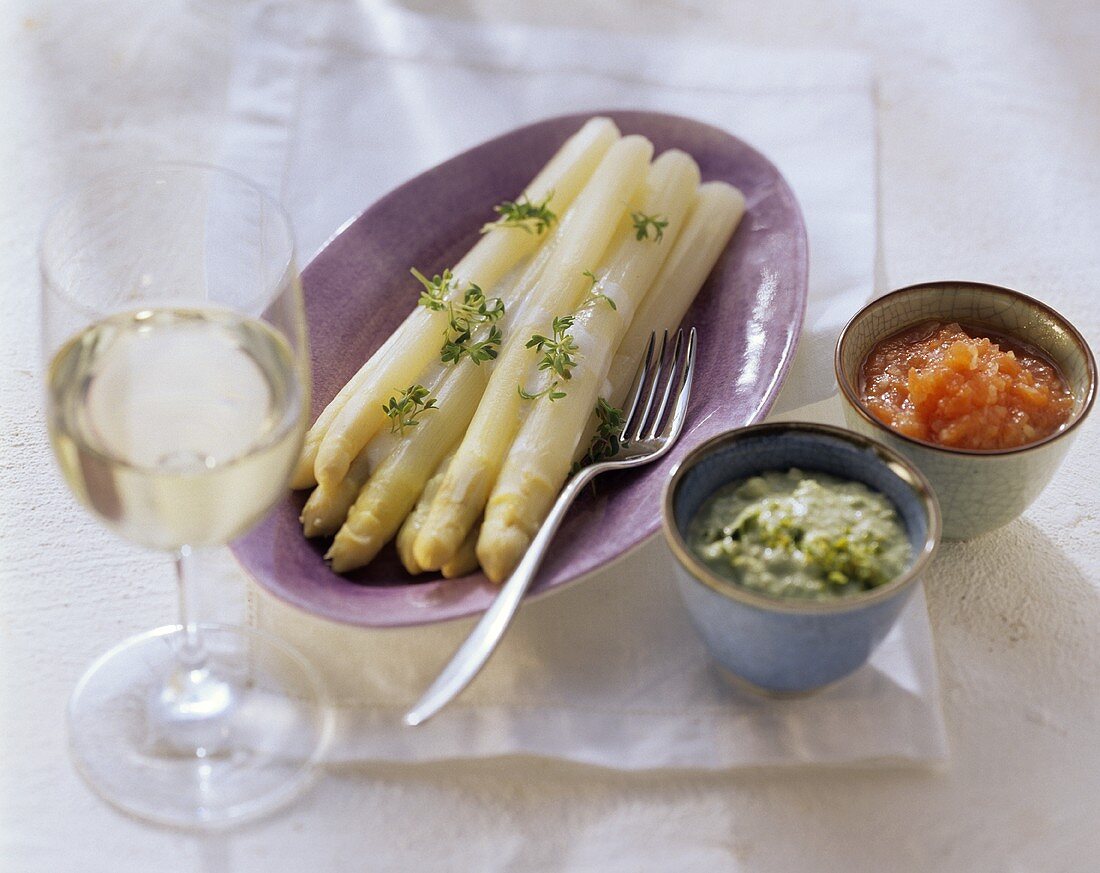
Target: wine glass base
x=245 y=744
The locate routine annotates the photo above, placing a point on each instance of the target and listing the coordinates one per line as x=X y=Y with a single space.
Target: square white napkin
x=333 y=104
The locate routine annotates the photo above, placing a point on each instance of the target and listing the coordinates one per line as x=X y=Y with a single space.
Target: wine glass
x=177 y=394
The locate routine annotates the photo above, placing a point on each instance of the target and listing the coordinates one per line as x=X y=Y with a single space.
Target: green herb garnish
x=605 y=441
x=529 y=217
x=558 y=351
x=436 y=290
x=643 y=223
x=846 y=559
x=558 y=356
x=551 y=392
x=405 y=411
x=464 y=317
x=591 y=301
x=483 y=350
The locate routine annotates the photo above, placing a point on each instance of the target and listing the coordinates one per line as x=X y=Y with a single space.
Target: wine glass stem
x=191 y=655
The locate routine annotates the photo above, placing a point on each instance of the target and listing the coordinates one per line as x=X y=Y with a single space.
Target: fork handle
x=471 y=656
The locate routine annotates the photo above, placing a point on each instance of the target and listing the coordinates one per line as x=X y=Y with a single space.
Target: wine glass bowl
x=176 y=396
x=176 y=426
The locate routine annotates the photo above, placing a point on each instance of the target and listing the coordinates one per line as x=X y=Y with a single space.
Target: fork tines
x=651 y=419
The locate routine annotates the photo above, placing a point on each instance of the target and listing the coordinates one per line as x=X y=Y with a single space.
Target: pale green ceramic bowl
x=978 y=491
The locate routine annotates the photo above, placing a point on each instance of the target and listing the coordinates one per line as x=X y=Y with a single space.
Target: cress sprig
x=559 y=350
x=550 y=391
x=464 y=315
x=522 y=214
x=605 y=441
x=594 y=295
x=643 y=223
x=483 y=350
x=405 y=411
x=558 y=355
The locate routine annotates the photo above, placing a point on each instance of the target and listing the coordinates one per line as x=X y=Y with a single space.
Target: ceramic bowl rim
x=897 y=464
x=851 y=396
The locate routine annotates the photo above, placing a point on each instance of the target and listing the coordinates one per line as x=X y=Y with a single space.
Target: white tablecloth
x=989 y=133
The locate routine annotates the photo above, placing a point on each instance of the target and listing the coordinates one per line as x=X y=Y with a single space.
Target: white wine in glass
x=176 y=426
x=177 y=394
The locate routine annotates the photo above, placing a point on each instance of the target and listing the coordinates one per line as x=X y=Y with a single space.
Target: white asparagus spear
x=304 y=475
x=393 y=489
x=339 y=436
x=717 y=211
x=465 y=559
x=406 y=536
x=713 y=218
x=473 y=470
x=415 y=519
x=538 y=462
x=328 y=508
x=328 y=505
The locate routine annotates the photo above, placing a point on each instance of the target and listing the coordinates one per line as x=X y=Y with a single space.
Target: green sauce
x=800 y=535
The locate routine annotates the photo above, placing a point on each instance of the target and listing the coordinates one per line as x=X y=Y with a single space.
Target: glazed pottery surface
x=978 y=491
x=792 y=645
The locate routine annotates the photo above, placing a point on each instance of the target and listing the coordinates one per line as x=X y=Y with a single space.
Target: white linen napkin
x=333 y=104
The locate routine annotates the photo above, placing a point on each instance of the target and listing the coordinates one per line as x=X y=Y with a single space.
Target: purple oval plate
x=357 y=291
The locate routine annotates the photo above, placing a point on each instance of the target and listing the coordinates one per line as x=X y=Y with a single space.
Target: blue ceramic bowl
x=787 y=646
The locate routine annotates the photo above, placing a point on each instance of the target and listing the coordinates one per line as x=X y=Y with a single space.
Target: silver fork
x=646 y=435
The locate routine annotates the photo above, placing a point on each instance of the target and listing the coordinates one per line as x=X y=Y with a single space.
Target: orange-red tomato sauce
x=964 y=388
